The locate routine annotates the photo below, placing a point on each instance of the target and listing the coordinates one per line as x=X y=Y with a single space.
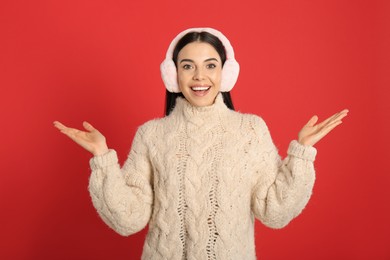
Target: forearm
x=124 y=205
x=288 y=190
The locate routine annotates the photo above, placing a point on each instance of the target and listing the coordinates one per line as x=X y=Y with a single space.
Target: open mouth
x=196 y=88
x=200 y=91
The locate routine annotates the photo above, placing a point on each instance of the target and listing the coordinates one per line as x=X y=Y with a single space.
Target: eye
x=211 y=66
x=187 y=66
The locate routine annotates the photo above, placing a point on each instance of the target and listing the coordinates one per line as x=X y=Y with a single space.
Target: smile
x=200 y=91
x=200 y=88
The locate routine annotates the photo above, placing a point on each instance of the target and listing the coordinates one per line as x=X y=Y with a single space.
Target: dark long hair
x=170 y=98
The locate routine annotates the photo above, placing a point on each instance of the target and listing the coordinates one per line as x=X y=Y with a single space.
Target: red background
x=99 y=61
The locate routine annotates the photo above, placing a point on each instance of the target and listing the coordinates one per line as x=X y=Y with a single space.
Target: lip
x=200 y=90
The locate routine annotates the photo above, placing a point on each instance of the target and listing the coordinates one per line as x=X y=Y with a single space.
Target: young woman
x=201 y=174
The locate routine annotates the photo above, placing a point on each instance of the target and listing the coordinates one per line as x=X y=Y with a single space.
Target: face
x=199 y=70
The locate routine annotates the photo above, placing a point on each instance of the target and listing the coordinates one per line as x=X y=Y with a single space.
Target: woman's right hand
x=91 y=140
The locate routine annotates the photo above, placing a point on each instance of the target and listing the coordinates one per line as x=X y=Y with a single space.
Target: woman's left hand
x=311 y=133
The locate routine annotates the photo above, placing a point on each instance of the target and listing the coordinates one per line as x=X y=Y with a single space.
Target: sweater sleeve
x=123 y=197
x=282 y=188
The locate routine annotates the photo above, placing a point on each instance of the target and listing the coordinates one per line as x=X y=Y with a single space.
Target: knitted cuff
x=300 y=151
x=104 y=160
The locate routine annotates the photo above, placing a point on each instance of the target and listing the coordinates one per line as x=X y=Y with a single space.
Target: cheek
x=216 y=76
x=181 y=79
x=179 y=76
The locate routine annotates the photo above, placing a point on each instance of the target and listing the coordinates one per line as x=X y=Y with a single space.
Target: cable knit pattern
x=199 y=177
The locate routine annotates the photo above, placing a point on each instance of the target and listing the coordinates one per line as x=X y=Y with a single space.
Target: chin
x=201 y=98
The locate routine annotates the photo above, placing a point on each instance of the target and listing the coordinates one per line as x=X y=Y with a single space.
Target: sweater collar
x=200 y=114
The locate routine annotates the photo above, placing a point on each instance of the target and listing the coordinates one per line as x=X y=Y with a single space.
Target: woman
x=200 y=175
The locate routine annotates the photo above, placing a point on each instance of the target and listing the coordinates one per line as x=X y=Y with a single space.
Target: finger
x=329 y=119
x=59 y=125
x=339 y=116
x=88 y=126
x=330 y=127
x=70 y=132
x=312 y=121
x=325 y=132
x=343 y=114
x=335 y=117
x=66 y=130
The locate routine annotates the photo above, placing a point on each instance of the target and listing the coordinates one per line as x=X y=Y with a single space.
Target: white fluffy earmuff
x=230 y=69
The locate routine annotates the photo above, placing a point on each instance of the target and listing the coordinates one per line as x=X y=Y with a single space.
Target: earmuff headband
x=230 y=69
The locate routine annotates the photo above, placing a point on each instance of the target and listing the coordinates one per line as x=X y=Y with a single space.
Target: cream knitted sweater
x=199 y=177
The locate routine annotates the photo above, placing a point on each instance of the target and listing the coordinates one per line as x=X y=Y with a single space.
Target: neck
x=190 y=111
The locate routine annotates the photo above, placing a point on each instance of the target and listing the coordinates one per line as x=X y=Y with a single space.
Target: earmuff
x=230 y=69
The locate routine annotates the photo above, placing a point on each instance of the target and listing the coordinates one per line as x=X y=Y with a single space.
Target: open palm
x=311 y=133
x=91 y=140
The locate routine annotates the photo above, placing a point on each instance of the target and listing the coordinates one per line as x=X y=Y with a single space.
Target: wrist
x=305 y=142
x=101 y=151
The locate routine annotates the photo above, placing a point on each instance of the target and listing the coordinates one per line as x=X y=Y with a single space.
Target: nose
x=198 y=74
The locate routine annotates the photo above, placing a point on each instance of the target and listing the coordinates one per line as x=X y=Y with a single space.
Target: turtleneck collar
x=200 y=113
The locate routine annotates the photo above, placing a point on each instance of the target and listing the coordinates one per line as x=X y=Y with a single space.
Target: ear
x=169 y=75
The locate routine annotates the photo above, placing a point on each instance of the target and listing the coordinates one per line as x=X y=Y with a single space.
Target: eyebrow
x=207 y=60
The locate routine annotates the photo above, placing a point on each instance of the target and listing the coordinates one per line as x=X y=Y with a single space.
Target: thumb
x=312 y=121
x=88 y=126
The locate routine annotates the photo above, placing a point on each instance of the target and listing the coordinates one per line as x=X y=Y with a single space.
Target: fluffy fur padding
x=230 y=69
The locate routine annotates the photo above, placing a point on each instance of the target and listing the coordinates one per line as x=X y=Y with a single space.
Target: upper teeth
x=200 y=88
